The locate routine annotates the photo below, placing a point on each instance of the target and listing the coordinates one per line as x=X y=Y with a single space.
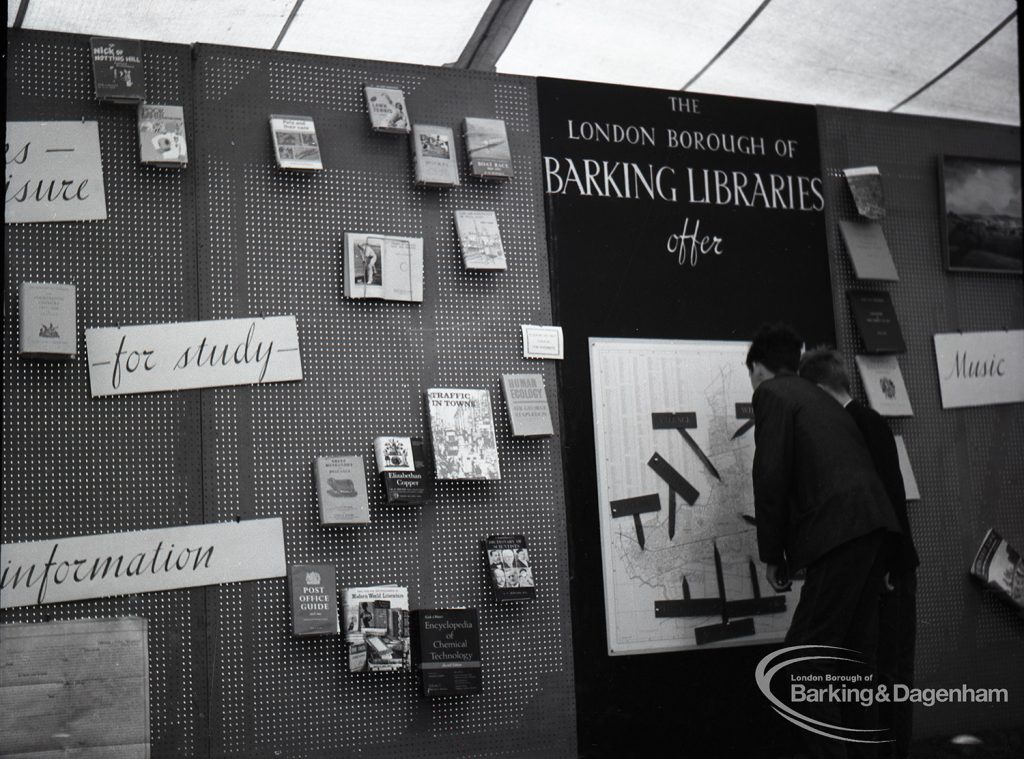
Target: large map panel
x=667 y=402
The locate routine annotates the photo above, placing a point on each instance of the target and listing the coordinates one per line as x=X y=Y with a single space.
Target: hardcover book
x=876 y=321
x=384 y=267
x=314 y=599
x=447 y=651
x=480 y=239
x=404 y=469
x=865 y=184
x=386 y=106
x=487 y=148
x=341 y=490
x=433 y=151
x=1000 y=567
x=377 y=628
x=462 y=428
x=162 y=135
x=869 y=252
x=295 y=142
x=117 y=70
x=527 y=403
x=883 y=382
x=509 y=567
x=47 y=319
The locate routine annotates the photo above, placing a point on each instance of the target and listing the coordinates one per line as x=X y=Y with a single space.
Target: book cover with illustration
x=117 y=70
x=388 y=113
x=404 y=469
x=433 y=151
x=162 y=134
x=47 y=319
x=385 y=267
x=295 y=142
x=480 y=239
x=462 y=429
x=341 y=490
x=487 y=148
x=376 y=624
x=884 y=385
x=509 y=568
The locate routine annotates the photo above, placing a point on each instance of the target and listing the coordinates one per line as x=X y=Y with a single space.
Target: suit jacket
x=882 y=446
x=815 y=485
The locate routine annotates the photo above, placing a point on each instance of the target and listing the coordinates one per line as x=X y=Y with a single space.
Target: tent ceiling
x=872 y=54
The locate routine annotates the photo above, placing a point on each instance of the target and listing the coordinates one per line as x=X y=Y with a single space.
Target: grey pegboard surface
x=270 y=242
x=969 y=463
x=75 y=465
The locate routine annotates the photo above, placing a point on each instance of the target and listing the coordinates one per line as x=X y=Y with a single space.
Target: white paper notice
x=75 y=690
x=187 y=355
x=542 y=342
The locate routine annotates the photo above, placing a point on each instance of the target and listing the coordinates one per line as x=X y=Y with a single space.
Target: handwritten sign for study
x=156 y=357
x=980 y=368
x=54 y=172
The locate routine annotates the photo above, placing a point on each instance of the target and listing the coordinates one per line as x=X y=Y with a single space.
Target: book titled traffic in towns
x=433 y=152
x=117 y=70
x=480 y=239
x=162 y=135
x=341 y=489
x=386 y=106
x=295 y=142
x=377 y=628
x=462 y=429
x=509 y=567
x=383 y=266
x=404 y=469
x=314 y=599
x=446 y=651
x=487 y=148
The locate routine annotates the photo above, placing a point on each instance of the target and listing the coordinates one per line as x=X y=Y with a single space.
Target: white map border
x=630 y=379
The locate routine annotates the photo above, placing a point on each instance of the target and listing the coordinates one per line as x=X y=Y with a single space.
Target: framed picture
x=981 y=209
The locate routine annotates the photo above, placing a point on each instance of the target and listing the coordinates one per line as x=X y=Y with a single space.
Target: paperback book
x=404 y=469
x=314 y=597
x=117 y=71
x=386 y=106
x=341 y=490
x=509 y=567
x=47 y=320
x=876 y=321
x=462 y=429
x=433 y=151
x=1000 y=567
x=447 y=651
x=487 y=148
x=480 y=239
x=377 y=628
x=295 y=142
x=527 y=404
x=865 y=184
x=162 y=135
x=383 y=267
x=884 y=385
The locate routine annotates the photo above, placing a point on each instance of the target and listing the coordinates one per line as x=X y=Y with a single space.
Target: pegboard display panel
x=77 y=465
x=969 y=462
x=271 y=243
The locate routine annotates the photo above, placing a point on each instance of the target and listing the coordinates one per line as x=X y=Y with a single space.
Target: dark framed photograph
x=981 y=209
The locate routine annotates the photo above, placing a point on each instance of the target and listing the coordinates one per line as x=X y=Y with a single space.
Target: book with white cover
x=386 y=106
x=295 y=142
x=883 y=382
x=480 y=239
x=47 y=319
x=527 y=403
x=433 y=151
x=383 y=266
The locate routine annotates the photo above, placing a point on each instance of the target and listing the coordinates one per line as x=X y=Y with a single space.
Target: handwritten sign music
x=156 y=357
x=980 y=368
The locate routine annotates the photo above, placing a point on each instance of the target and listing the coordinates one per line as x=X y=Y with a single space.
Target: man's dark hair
x=776 y=347
x=823 y=366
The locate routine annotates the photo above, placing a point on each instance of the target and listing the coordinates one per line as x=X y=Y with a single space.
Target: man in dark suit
x=819 y=505
x=897 y=611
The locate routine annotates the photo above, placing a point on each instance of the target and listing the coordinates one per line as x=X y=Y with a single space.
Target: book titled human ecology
x=433 y=152
x=447 y=651
x=386 y=106
x=162 y=135
x=384 y=267
x=487 y=148
x=295 y=142
x=480 y=239
x=47 y=319
x=341 y=490
x=117 y=70
x=314 y=598
x=527 y=403
x=404 y=469
x=509 y=567
x=462 y=429
x=377 y=628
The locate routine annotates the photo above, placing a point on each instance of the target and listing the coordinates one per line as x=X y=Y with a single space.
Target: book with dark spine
x=446 y=651
x=404 y=469
x=487 y=148
x=876 y=321
x=509 y=567
x=314 y=598
x=117 y=70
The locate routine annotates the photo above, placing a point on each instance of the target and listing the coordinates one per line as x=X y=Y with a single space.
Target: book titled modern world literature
x=433 y=152
x=480 y=239
x=404 y=469
x=527 y=403
x=295 y=142
x=47 y=319
x=162 y=135
x=314 y=598
x=462 y=429
x=509 y=567
x=117 y=70
x=386 y=106
x=487 y=148
x=384 y=267
x=446 y=651
x=341 y=490
x=377 y=628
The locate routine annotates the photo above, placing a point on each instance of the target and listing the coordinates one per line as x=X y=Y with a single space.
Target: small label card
x=542 y=342
x=980 y=368
x=156 y=357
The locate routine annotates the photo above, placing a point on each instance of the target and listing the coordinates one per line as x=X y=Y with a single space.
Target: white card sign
x=96 y=566
x=542 y=341
x=54 y=172
x=980 y=368
x=155 y=357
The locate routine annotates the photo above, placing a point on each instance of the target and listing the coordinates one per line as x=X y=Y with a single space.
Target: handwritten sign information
x=54 y=172
x=980 y=368
x=156 y=357
x=96 y=566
